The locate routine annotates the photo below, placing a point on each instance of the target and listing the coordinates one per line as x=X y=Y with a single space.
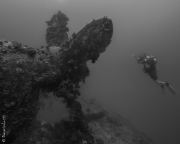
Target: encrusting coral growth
x=25 y=71
x=56 y=32
x=106 y=127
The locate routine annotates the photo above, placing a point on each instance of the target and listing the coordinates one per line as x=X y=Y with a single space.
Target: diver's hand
x=135 y=58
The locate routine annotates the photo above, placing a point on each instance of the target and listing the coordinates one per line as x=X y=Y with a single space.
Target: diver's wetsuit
x=151 y=71
x=151 y=66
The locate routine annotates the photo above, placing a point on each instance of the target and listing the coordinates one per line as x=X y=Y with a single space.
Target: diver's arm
x=137 y=59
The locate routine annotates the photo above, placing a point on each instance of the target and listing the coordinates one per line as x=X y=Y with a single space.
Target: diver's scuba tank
x=141 y=57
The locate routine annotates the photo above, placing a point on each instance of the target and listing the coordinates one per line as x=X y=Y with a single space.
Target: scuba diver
x=150 y=68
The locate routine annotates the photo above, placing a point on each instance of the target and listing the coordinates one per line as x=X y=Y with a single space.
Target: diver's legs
x=160 y=82
x=162 y=86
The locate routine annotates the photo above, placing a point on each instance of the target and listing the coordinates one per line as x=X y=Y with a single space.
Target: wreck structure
x=58 y=67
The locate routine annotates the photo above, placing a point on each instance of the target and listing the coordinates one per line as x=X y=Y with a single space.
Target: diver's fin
x=162 y=86
x=171 y=89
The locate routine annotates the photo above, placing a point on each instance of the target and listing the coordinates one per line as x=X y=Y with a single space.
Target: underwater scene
x=89 y=72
